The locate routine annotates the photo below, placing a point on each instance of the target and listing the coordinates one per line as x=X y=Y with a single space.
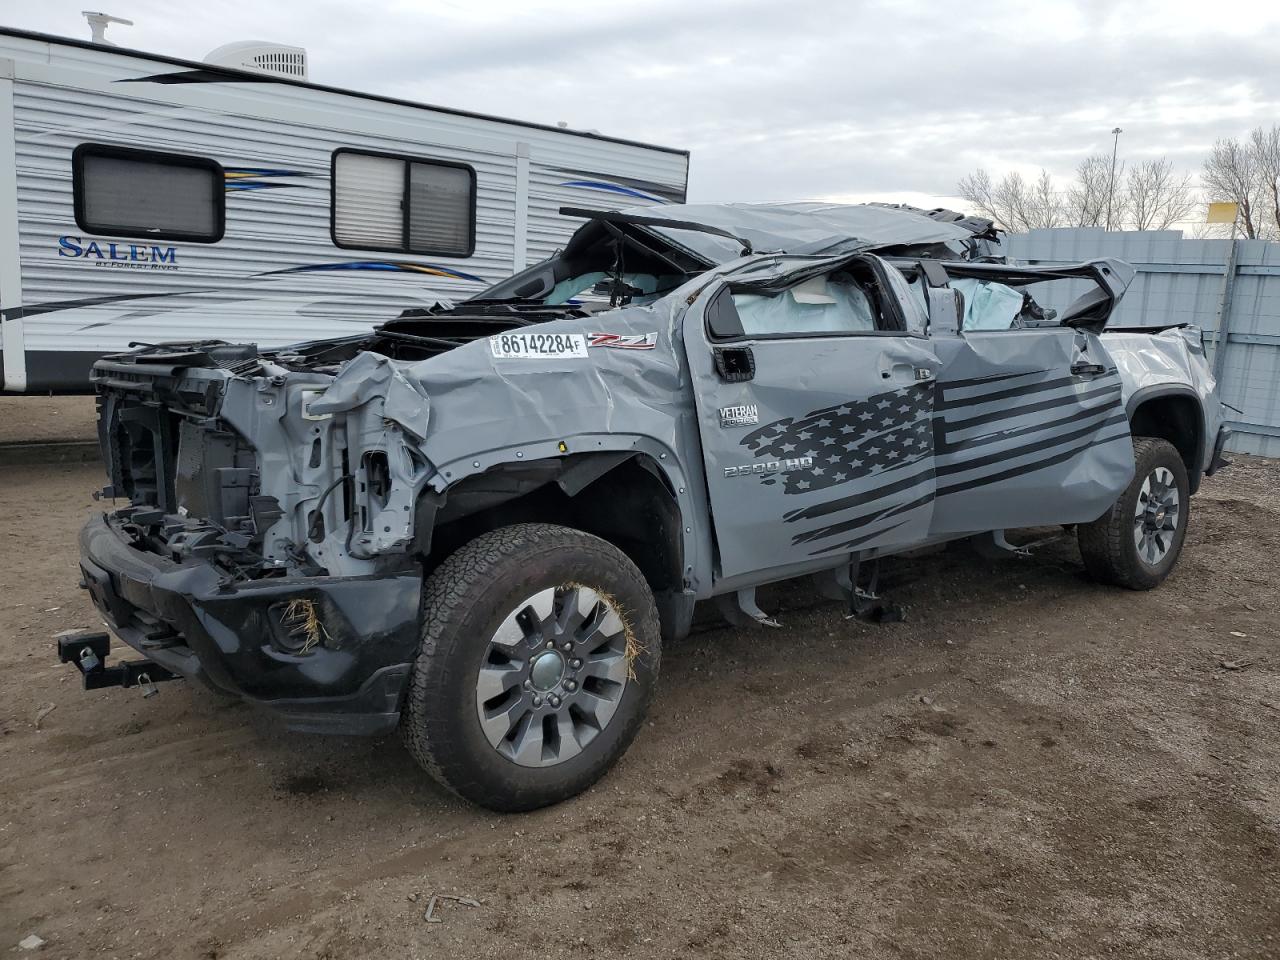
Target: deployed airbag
x=987 y=305
x=816 y=306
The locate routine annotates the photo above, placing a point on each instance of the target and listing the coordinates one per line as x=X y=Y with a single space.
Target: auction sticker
x=538 y=346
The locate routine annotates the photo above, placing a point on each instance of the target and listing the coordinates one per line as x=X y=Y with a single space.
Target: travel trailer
x=145 y=198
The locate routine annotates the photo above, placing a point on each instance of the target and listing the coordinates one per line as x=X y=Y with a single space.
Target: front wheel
x=539 y=657
x=1136 y=543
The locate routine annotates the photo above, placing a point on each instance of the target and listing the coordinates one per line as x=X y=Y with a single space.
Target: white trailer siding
x=561 y=176
x=276 y=276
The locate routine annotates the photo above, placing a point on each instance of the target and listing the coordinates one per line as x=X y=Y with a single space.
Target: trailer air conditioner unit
x=277 y=58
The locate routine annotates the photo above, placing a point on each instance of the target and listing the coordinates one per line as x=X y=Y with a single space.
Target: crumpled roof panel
x=788 y=226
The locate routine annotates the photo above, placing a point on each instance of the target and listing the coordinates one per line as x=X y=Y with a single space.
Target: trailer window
x=140 y=193
x=402 y=204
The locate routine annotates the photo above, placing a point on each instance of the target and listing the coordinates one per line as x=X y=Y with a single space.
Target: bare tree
x=1002 y=202
x=1151 y=196
x=1013 y=196
x=1044 y=206
x=976 y=189
x=1230 y=174
x=1086 y=200
x=1014 y=203
x=1264 y=145
x=1155 y=196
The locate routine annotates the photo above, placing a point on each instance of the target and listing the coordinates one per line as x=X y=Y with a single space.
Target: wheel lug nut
x=553 y=700
x=575 y=663
x=528 y=684
x=570 y=685
x=537 y=701
x=566 y=646
x=551 y=644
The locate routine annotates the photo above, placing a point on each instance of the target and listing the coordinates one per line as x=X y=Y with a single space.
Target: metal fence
x=1230 y=289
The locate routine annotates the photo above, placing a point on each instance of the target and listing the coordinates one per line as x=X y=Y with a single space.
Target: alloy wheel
x=553 y=675
x=1156 y=516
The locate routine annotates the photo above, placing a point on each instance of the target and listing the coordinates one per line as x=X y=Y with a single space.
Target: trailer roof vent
x=275 y=58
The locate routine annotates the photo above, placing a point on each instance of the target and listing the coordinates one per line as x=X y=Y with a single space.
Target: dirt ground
x=28 y=419
x=1031 y=766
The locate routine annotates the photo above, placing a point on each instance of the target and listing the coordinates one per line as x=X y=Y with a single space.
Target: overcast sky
x=781 y=100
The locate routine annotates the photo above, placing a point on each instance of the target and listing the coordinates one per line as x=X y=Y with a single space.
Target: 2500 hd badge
x=761 y=467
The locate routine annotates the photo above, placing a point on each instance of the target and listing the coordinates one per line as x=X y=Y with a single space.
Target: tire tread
x=1103 y=543
x=450 y=590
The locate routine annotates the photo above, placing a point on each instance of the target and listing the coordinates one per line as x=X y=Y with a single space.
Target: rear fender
x=1172 y=412
x=1170 y=363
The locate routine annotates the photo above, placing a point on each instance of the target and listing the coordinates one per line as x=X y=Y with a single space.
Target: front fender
x=661 y=458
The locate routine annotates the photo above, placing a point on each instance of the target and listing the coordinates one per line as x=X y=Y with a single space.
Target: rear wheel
x=1136 y=543
x=539 y=657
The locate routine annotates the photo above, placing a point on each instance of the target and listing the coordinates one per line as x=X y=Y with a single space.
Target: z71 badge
x=765 y=467
x=743 y=415
x=619 y=341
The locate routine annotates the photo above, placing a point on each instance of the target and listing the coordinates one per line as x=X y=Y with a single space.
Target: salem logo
x=131 y=255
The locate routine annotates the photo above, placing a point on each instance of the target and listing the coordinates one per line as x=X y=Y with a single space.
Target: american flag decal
x=853 y=441
x=888 y=456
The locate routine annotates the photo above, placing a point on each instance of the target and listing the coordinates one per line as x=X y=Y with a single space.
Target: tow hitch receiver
x=88 y=652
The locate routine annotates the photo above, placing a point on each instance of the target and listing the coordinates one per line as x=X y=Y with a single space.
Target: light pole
x=1111 y=187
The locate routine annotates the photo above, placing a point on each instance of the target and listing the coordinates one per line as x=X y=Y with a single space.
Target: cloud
x=777 y=101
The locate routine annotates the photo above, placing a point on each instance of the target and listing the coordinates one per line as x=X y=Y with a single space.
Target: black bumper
x=191 y=619
x=1218 y=461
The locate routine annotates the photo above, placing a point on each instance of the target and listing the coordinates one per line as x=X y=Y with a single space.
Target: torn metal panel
x=1167 y=362
x=1175 y=356
x=370 y=377
x=812 y=228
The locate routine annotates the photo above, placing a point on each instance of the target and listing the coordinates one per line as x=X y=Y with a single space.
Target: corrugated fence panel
x=1184 y=281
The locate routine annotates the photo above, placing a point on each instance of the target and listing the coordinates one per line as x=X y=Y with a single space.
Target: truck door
x=814 y=395
x=1029 y=429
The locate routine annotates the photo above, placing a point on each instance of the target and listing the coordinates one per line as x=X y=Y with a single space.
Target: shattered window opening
x=824 y=304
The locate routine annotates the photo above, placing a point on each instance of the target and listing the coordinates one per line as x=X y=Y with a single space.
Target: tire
x=1111 y=545
x=521 y=585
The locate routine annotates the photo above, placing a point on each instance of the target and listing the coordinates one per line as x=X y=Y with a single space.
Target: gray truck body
x=720 y=458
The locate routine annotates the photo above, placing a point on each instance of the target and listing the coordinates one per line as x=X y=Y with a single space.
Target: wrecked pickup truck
x=480 y=523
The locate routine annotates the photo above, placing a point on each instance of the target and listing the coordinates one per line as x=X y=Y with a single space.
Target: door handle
x=906 y=371
x=1087 y=368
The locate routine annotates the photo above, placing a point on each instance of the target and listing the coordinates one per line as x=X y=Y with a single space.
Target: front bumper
x=193 y=620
